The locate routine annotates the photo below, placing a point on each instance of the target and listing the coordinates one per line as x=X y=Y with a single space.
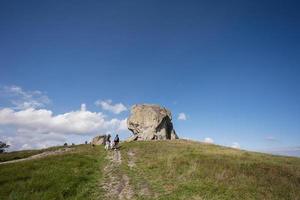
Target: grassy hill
x=153 y=170
x=73 y=175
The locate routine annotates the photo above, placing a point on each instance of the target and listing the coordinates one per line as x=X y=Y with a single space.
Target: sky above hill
x=228 y=70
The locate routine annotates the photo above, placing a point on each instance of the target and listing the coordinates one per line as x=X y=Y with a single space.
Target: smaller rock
x=99 y=140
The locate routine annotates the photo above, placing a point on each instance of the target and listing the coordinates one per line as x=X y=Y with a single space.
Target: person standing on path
x=116 y=141
x=107 y=142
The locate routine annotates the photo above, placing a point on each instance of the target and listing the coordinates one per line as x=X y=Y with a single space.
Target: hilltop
x=176 y=169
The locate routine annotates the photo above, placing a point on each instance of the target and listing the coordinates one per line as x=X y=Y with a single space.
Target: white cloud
x=22 y=99
x=31 y=140
x=26 y=146
x=182 y=116
x=123 y=125
x=114 y=108
x=208 y=140
x=42 y=120
x=235 y=145
x=25 y=123
x=41 y=128
x=83 y=107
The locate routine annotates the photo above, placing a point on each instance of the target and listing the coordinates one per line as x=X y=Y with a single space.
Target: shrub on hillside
x=3 y=146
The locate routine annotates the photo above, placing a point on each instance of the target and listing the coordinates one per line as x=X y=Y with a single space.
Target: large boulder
x=99 y=140
x=150 y=122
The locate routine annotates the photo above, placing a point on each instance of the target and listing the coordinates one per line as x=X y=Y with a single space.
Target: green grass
x=190 y=170
x=74 y=175
x=168 y=169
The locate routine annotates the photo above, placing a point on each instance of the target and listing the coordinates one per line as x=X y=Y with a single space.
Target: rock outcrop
x=150 y=122
x=99 y=140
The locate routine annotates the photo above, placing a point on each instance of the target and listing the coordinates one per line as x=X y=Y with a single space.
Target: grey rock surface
x=99 y=140
x=150 y=122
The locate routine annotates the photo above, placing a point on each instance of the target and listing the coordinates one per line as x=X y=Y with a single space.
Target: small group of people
x=109 y=144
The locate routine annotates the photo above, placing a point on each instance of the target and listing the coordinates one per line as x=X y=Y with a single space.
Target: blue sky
x=232 y=67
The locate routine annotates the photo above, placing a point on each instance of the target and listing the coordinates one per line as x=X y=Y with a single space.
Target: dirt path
x=117 y=184
x=38 y=156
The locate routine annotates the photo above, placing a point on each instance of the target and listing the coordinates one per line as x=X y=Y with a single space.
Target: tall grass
x=162 y=170
x=74 y=175
x=191 y=170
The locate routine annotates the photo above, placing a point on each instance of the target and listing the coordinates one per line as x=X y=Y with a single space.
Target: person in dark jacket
x=108 y=138
x=116 y=141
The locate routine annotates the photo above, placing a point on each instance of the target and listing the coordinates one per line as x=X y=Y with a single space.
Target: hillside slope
x=71 y=175
x=191 y=170
x=153 y=170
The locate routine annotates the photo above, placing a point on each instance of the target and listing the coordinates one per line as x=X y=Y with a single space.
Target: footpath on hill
x=117 y=183
x=40 y=155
